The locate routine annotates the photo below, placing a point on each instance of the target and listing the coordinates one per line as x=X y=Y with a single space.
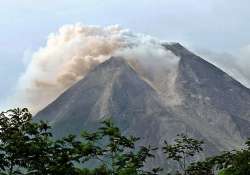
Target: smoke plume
x=74 y=50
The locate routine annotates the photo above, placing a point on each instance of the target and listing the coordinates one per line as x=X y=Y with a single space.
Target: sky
x=215 y=29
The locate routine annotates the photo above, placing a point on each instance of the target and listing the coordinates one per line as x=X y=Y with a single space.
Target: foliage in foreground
x=29 y=148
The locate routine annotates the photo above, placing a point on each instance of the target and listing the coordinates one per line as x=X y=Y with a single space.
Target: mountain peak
x=213 y=107
x=178 y=49
x=110 y=89
x=115 y=61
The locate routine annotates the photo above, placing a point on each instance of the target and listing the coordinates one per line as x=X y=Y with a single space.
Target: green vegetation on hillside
x=28 y=148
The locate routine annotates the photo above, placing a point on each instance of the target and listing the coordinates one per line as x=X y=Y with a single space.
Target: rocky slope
x=195 y=98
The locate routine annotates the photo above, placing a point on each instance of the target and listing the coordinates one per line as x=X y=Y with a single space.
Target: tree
x=29 y=148
x=182 y=150
x=236 y=162
x=23 y=145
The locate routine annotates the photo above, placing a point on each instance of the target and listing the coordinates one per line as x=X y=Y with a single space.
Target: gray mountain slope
x=203 y=82
x=212 y=106
x=111 y=89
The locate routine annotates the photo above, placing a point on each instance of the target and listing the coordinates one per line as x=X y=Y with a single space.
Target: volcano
x=196 y=98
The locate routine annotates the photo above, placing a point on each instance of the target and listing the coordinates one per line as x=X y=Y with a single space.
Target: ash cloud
x=74 y=50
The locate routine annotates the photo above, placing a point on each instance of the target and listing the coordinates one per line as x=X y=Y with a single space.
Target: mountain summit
x=194 y=97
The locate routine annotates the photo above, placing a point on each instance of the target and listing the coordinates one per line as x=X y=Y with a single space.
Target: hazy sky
x=208 y=26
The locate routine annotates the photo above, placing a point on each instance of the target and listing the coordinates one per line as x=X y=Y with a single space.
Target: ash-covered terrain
x=156 y=101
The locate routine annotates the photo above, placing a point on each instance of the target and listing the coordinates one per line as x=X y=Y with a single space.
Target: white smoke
x=237 y=65
x=157 y=66
x=75 y=49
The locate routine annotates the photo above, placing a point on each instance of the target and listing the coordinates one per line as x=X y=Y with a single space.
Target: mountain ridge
x=194 y=97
